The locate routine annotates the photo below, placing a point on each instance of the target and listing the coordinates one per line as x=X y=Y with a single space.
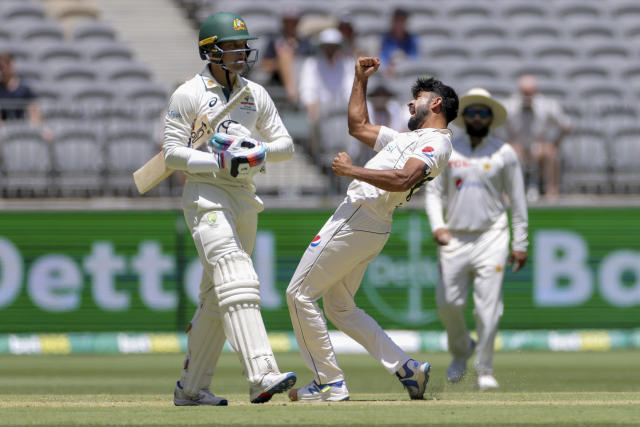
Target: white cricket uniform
x=220 y=210
x=334 y=264
x=471 y=192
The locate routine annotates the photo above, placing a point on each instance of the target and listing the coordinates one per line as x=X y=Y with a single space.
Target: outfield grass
x=536 y=388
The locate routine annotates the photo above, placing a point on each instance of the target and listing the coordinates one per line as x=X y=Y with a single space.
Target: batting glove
x=243 y=159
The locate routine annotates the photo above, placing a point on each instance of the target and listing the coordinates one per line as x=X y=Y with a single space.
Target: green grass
x=537 y=388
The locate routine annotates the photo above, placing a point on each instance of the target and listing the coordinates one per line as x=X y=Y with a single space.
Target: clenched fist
x=341 y=164
x=366 y=66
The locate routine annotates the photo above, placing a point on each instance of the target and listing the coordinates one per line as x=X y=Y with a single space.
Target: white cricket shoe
x=487 y=382
x=314 y=392
x=271 y=384
x=458 y=366
x=415 y=378
x=204 y=398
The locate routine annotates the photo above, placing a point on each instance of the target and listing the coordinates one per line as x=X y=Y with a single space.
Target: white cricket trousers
x=332 y=268
x=476 y=259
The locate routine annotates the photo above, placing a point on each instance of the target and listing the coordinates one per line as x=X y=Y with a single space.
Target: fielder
x=333 y=265
x=474 y=234
x=220 y=207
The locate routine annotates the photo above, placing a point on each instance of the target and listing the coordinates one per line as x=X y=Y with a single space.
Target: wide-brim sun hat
x=479 y=95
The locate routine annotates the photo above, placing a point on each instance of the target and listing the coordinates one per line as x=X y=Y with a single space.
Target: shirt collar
x=210 y=82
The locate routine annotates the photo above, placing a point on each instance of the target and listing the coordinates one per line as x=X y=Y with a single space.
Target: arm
x=433 y=207
x=180 y=118
x=278 y=142
x=514 y=185
x=360 y=127
x=394 y=180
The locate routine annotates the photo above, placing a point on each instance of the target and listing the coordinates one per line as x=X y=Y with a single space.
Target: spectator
x=283 y=52
x=385 y=110
x=325 y=86
x=349 y=39
x=17 y=100
x=398 y=39
x=535 y=127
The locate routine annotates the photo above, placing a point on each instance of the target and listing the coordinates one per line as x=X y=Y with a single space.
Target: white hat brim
x=498 y=110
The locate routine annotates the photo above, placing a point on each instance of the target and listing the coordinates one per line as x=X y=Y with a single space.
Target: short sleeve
x=385 y=136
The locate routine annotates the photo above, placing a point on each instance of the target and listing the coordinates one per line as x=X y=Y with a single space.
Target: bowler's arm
x=360 y=127
x=394 y=180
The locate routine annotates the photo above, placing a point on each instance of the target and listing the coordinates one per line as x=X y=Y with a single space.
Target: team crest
x=212 y=218
x=238 y=25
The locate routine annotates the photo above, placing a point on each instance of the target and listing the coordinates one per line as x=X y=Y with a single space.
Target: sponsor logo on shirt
x=213 y=101
x=316 y=241
x=174 y=114
x=458 y=163
x=427 y=151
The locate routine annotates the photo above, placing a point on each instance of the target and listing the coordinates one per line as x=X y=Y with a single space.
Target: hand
x=442 y=236
x=341 y=164
x=518 y=259
x=367 y=66
x=244 y=159
x=236 y=129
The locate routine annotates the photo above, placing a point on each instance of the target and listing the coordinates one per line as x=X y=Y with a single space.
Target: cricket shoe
x=415 y=378
x=271 y=384
x=458 y=366
x=204 y=398
x=314 y=392
x=487 y=382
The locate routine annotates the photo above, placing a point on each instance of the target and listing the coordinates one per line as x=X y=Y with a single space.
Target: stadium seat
x=608 y=51
x=105 y=50
x=625 y=11
x=503 y=51
x=20 y=50
x=538 y=69
x=554 y=52
x=484 y=31
x=94 y=30
x=127 y=148
x=78 y=161
x=568 y=11
x=625 y=159
x=451 y=51
x=586 y=71
x=36 y=32
x=475 y=71
x=468 y=11
x=24 y=160
x=78 y=72
x=432 y=33
x=29 y=70
x=518 y=11
x=417 y=67
x=125 y=72
x=587 y=32
x=585 y=161
x=536 y=31
x=19 y=12
x=149 y=98
x=356 y=8
x=51 y=53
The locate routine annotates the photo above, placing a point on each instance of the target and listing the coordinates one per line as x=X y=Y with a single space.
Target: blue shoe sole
x=284 y=385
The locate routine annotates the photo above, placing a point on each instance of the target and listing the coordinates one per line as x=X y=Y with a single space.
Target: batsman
x=221 y=210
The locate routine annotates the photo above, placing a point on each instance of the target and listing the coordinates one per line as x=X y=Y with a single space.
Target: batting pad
x=205 y=342
x=247 y=335
x=237 y=289
x=235 y=280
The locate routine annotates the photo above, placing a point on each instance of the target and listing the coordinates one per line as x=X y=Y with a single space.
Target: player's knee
x=235 y=280
x=339 y=314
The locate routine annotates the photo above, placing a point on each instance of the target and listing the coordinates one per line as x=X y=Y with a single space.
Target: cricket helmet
x=222 y=27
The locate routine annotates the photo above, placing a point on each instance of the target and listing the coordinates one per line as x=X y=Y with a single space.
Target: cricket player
x=473 y=235
x=221 y=207
x=335 y=262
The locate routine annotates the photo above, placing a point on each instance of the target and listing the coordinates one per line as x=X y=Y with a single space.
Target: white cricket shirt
x=431 y=146
x=204 y=95
x=471 y=190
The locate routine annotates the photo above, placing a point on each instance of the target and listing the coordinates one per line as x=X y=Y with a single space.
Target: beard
x=417 y=119
x=479 y=133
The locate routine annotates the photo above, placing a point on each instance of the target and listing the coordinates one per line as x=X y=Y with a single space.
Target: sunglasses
x=483 y=113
